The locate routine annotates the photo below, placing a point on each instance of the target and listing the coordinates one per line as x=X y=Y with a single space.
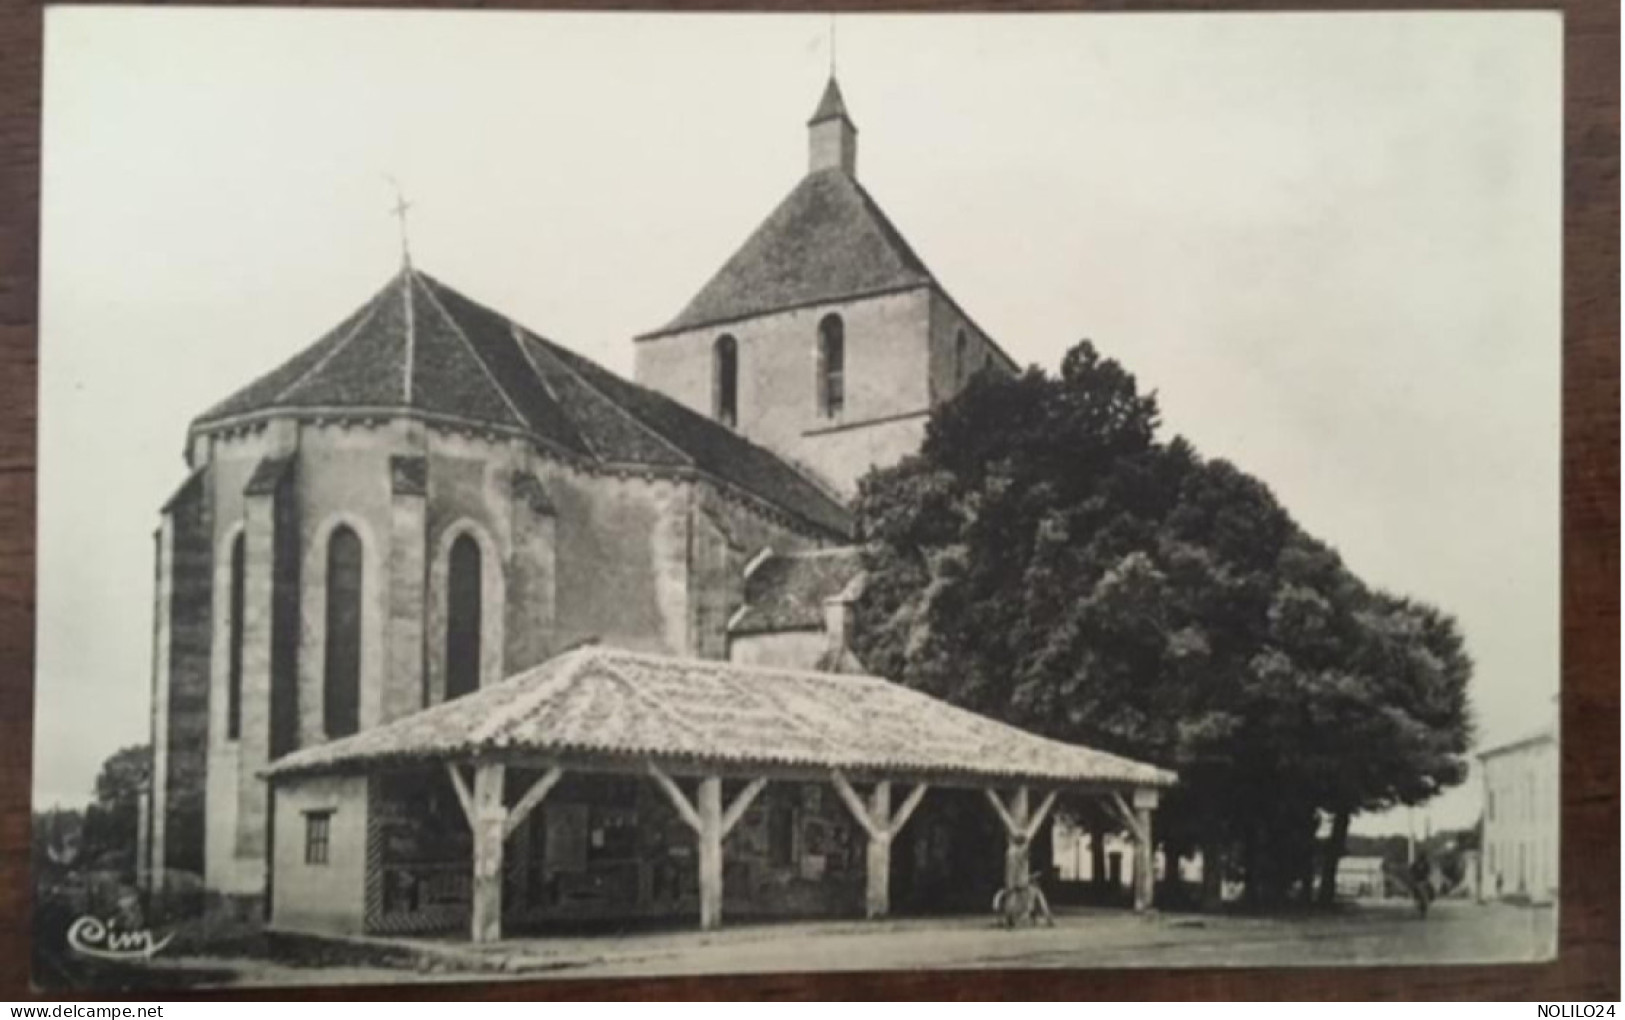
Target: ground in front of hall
x=1380 y=933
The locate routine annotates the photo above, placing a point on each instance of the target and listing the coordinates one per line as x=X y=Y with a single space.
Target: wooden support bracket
x=1010 y=826
x=464 y=797
x=911 y=802
x=855 y=804
x=1126 y=814
x=679 y=801
x=741 y=804
x=533 y=796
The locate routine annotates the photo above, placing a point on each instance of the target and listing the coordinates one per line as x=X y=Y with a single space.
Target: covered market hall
x=615 y=786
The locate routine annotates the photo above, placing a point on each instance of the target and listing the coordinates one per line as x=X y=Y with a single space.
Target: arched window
x=725 y=380
x=463 y=618
x=234 y=643
x=831 y=366
x=341 y=684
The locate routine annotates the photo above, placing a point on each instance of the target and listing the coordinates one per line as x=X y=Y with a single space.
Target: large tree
x=1047 y=560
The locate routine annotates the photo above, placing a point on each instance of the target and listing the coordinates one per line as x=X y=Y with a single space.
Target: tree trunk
x=1253 y=890
x=1212 y=875
x=1336 y=843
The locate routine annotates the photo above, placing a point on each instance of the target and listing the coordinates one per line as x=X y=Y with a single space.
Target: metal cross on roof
x=399 y=210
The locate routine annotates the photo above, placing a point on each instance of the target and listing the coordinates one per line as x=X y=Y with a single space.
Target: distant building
x=1361 y=877
x=1075 y=859
x=1521 y=818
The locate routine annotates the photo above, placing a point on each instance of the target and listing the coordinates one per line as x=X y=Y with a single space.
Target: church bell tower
x=832 y=136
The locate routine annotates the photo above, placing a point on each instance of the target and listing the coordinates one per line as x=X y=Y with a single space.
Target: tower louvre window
x=831 y=366
x=341 y=674
x=725 y=380
x=463 y=609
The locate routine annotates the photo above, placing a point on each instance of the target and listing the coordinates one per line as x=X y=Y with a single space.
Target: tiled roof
x=786 y=591
x=419 y=346
x=598 y=701
x=827 y=241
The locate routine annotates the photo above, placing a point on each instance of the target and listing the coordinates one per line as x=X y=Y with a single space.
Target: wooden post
x=876 y=819
x=492 y=823
x=1017 y=854
x=1144 y=878
x=1020 y=826
x=877 y=862
x=711 y=824
x=489 y=818
x=709 y=808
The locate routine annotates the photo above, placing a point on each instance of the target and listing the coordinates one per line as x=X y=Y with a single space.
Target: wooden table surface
x=1588 y=963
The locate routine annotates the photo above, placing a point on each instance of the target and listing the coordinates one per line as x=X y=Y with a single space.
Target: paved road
x=1381 y=934
x=1387 y=933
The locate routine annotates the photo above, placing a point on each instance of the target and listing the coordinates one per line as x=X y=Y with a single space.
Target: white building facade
x=1521 y=819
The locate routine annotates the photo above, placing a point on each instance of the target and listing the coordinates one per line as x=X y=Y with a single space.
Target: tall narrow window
x=463 y=618
x=341 y=686
x=725 y=381
x=831 y=366
x=961 y=352
x=234 y=644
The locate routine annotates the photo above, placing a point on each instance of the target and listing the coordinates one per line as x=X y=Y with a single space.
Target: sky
x=1330 y=243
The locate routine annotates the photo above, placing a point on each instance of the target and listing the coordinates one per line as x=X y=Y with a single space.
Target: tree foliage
x=1047 y=560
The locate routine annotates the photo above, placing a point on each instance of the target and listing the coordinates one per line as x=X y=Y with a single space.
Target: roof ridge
x=886 y=225
x=625 y=412
x=411 y=333
x=723 y=665
x=322 y=362
x=526 y=701
x=520 y=335
x=474 y=352
x=659 y=708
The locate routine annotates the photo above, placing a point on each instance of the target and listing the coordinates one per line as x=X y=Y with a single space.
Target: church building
x=456 y=629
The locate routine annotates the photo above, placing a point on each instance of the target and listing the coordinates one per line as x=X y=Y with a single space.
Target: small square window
x=317 y=829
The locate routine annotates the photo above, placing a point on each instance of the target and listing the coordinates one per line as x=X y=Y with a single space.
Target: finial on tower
x=399 y=210
x=831 y=45
x=832 y=137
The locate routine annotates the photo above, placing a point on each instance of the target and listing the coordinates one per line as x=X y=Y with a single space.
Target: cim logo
x=90 y=936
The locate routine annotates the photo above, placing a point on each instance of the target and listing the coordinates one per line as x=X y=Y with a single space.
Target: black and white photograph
x=533 y=495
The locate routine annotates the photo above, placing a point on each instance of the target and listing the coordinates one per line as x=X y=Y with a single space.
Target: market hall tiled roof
x=787 y=591
x=419 y=347
x=599 y=702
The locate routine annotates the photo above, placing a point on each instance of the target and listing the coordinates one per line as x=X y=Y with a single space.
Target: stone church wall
x=622 y=558
x=234 y=839
x=728 y=533
x=185 y=555
x=785 y=649
x=886 y=376
x=949 y=371
x=632 y=560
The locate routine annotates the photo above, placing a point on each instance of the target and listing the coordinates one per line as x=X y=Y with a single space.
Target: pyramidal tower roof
x=421 y=349
x=828 y=240
x=831 y=105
